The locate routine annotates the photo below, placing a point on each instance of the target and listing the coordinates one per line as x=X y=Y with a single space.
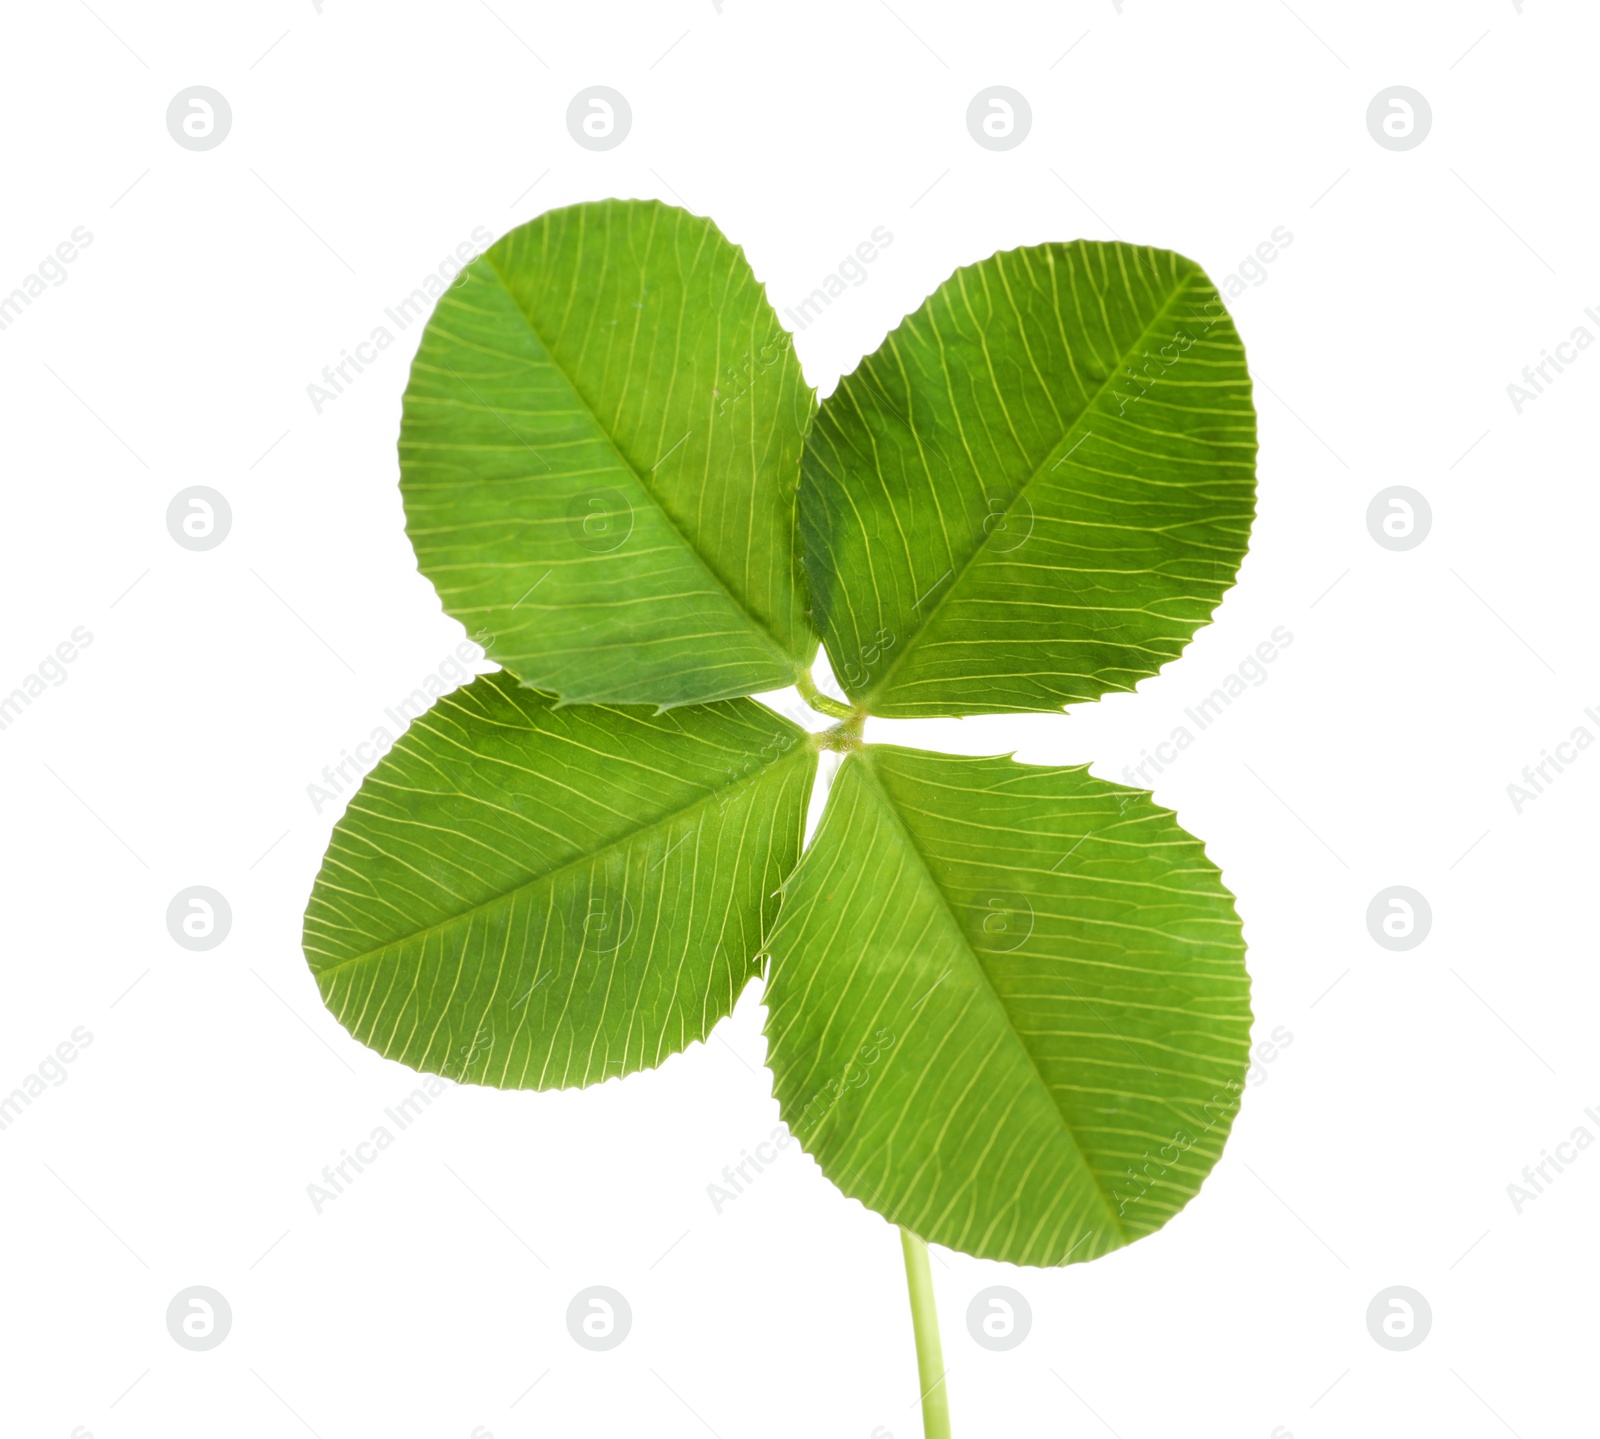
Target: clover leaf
x=600 y=456
x=1007 y=1005
x=586 y=887
x=1037 y=489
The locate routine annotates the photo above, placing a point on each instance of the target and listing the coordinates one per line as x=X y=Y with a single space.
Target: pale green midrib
x=767 y=771
x=887 y=801
x=788 y=661
x=878 y=690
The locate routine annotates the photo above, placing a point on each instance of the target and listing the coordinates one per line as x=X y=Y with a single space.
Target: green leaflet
x=1008 y=1007
x=539 y=897
x=599 y=457
x=1037 y=489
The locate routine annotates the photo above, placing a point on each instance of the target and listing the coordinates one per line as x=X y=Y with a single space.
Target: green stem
x=821 y=703
x=925 y=1325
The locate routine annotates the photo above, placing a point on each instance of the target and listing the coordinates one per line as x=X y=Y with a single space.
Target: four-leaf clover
x=1006 y=1004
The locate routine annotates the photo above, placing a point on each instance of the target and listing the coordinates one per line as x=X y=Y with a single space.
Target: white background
x=367 y=142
